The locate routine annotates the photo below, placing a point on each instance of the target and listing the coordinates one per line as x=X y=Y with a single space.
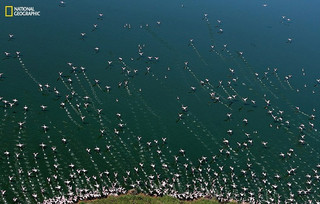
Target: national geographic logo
x=8 y=11
x=11 y=11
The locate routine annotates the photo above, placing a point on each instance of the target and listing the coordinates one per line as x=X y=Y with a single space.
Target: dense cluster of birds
x=246 y=139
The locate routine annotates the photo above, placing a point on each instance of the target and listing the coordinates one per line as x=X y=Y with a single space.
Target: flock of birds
x=245 y=137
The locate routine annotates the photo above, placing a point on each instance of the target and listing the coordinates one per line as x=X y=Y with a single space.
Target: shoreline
x=134 y=197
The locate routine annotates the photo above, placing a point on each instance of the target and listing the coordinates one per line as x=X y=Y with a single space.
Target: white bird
x=184 y=108
x=45 y=128
x=264 y=143
x=42 y=145
x=43 y=107
x=83 y=35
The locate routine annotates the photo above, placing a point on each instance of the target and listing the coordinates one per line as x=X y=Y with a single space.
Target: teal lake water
x=148 y=100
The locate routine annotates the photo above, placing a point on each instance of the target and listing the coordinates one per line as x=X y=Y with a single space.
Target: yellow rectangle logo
x=10 y=9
